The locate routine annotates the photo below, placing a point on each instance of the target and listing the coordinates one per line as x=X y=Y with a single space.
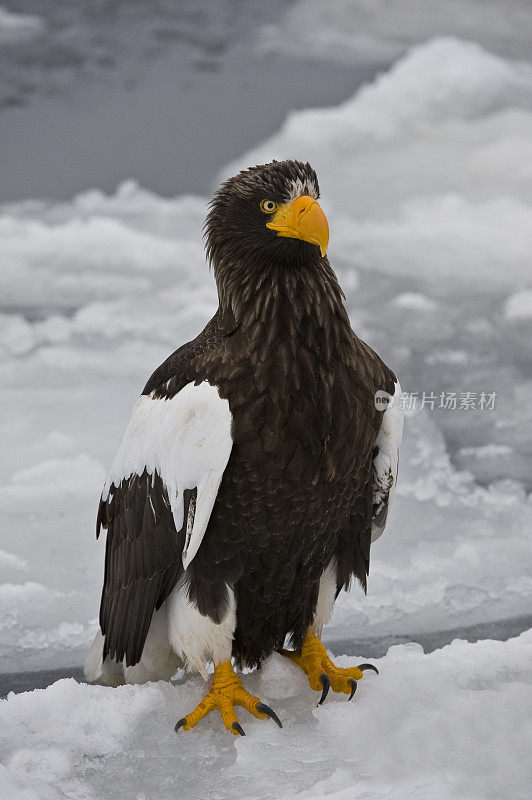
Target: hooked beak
x=302 y=219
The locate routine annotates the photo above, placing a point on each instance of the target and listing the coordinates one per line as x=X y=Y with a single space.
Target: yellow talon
x=225 y=693
x=321 y=671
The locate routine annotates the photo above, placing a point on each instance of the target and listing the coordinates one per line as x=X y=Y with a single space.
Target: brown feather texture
x=298 y=488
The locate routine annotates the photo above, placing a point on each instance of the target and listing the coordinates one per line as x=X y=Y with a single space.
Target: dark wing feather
x=353 y=551
x=143 y=553
x=142 y=561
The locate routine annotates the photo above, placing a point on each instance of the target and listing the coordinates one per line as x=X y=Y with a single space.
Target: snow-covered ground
x=456 y=723
x=422 y=177
x=425 y=178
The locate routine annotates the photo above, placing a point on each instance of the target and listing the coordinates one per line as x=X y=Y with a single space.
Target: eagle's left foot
x=321 y=671
x=225 y=693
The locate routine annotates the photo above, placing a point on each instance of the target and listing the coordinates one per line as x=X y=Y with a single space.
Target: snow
x=19 y=27
x=444 y=529
x=519 y=305
x=61 y=48
x=454 y=723
x=98 y=248
x=430 y=158
x=355 y=31
x=425 y=179
x=415 y=301
x=430 y=235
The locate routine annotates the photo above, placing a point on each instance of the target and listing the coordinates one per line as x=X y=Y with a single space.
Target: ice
x=424 y=181
x=99 y=248
x=415 y=301
x=19 y=27
x=445 y=528
x=16 y=335
x=519 y=305
x=430 y=158
x=425 y=178
x=454 y=723
x=41 y=592
x=355 y=31
x=493 y=462
x=116 y=302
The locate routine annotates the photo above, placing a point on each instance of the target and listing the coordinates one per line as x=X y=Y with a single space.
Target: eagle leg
x=225 y=693
x=322 y=672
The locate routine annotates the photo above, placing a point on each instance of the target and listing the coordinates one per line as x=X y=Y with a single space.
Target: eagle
x=257 y=468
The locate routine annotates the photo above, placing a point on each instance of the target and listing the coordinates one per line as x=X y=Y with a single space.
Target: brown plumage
x=298 y=488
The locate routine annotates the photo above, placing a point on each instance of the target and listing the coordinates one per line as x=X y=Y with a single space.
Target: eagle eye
x=268 y=206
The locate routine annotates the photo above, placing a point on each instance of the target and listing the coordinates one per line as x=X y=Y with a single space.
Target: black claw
x=326 y=683
x=180 y=724
x=353 y=683
x=264 y=709
x=236 y=726
x=363 y=667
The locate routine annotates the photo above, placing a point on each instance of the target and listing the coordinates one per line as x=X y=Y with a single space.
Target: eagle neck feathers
x=291 y=307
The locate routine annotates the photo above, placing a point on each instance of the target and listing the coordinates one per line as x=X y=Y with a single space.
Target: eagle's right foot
x=225 y=693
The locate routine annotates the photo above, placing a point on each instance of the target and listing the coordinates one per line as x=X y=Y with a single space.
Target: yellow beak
x=302 y=219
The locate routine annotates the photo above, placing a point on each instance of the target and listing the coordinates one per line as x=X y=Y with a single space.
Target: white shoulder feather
x=386 y=462
x=187 y=440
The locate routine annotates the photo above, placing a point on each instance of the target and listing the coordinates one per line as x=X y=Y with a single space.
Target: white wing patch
x=187 y=440
x=386 y=462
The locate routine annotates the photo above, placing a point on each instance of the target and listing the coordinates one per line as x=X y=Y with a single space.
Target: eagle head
x=267 y=217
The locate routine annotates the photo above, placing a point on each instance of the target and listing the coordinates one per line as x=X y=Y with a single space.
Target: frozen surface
x=17 y=28
x=360 y=30
x=453 y=724
x=162 y=91
x=426 y=170
x=424 y=180
x=51 y=46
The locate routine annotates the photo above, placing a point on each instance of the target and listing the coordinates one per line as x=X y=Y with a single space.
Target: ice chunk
x=492 y=462
x=19 y=27
x=11 y=561
x=519 y=305
x=17 y=336
x=423 y=169
x=358 y=31
x=415 y=301
x=98 y=247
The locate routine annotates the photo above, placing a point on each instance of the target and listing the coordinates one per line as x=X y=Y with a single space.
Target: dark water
x=368 y=648
x=165 y=93
x=376 y=648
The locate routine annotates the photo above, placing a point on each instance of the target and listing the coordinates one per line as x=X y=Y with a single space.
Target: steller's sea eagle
x=258 y=465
